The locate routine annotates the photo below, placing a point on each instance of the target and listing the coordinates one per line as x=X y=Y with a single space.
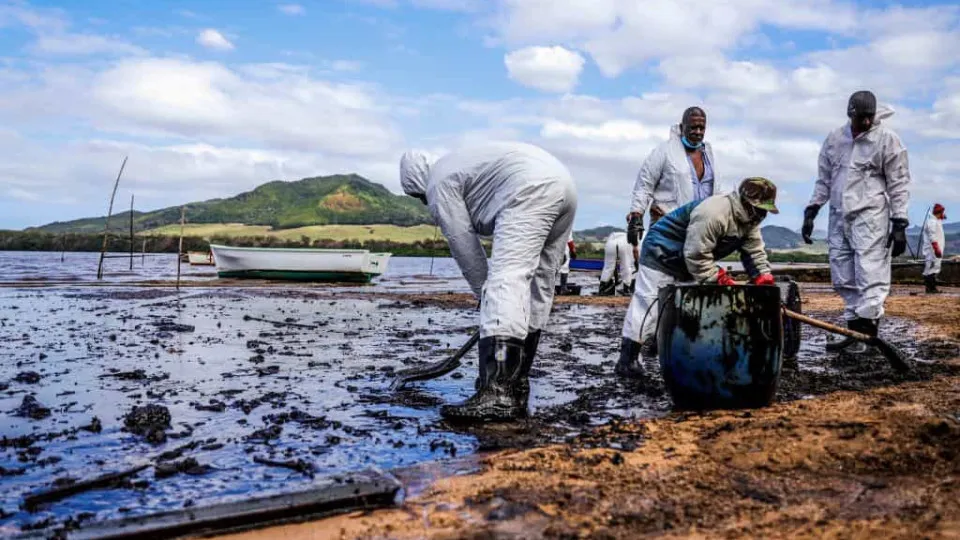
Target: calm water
x=237 y=387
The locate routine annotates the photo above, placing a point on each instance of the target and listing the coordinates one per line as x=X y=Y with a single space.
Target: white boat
x=200 y=258
x=299 y=264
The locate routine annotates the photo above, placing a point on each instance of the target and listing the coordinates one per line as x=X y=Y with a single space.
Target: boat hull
x=294 y=264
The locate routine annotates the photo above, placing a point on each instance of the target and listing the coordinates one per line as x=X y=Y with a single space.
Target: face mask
x=689 y=144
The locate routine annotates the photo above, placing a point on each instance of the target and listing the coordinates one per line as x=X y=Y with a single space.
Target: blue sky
x=213 y=98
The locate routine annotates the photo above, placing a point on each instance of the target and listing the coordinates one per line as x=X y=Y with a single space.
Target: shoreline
x=879 y=463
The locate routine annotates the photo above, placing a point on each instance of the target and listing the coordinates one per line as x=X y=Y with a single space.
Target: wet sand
x=873 y=455
x=252 y=373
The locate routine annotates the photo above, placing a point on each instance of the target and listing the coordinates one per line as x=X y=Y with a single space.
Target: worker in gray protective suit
x=934 y=242
x=526 y=199
x=863 y=172
x=685 y=245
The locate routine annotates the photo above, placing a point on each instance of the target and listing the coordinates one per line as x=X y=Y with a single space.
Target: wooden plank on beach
x=326 y=496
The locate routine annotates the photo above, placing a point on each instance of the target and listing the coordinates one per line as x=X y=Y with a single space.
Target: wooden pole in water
x=131 y=232
x=63 y=246
x=183 y=210
x=143 y=252
x=106 y=224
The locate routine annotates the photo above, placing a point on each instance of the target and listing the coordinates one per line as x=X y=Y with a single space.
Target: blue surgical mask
x=689 y=144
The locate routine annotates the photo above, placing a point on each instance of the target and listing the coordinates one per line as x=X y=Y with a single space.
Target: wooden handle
x=827 y=326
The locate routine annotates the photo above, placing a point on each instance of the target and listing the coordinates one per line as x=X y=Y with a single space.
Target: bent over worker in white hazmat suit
x=933 y=245
x=863 y=172
x=685 y=245
x=526 y=200
x=617 y=254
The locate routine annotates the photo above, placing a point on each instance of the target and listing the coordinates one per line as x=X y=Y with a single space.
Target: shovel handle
x=827 y=326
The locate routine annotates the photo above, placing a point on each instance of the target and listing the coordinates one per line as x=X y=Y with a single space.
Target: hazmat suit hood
x=414 y=172
x=884 y=112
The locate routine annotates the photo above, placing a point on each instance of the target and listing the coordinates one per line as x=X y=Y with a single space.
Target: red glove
x=723 y=278
x=573 y=250
x=763 y=279
x=936 y=250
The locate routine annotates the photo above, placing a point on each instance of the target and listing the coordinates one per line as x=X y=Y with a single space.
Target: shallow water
x=78 y=339
x=239 y=388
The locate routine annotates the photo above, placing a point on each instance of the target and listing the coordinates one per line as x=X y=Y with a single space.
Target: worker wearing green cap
x=685 y=245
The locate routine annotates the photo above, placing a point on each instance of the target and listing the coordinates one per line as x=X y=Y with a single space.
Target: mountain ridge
x=322 y=200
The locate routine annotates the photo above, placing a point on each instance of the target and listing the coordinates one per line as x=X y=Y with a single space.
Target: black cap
x=862 y=103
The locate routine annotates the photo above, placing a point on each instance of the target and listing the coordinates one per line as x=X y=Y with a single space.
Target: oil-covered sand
x=850 y=450
x=217 y=385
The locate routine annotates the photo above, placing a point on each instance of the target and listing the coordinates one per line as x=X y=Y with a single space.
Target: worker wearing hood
x=686 y=245
x=617 y=254
x=864 y=174
x=526 y=200
x=933 y=245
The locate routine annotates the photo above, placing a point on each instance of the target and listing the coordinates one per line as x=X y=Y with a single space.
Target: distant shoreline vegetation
x=158 y=243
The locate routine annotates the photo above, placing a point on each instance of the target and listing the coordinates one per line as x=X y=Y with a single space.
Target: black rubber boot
x=563 y=283
x=629 y=366
x=837 y=346
x=864 y=326
x=607 y=288
x=501 y=361
x=530 y=345
x=931 y=283
x=649 y=347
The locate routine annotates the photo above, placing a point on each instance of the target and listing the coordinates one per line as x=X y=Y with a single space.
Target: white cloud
x=551 y=69
x=212 y=39
x=346 y=65
x=292 y=9
x=275 y=104
x=67 y=44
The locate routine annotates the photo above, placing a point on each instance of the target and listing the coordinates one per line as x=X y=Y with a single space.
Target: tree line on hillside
x=40 y=241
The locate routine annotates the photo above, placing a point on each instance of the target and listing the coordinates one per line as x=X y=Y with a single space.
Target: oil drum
x=720 y=346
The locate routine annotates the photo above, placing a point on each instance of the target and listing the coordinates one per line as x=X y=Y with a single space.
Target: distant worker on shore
x=863 y=172
x=569 y=254
x=526 y=200
x=618 y=254
x=934 y=242
x=678 y=171
x=685 y=245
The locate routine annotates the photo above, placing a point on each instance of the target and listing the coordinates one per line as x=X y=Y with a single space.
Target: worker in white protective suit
x=685 y=245
x=526 y=200
x=934 y=242
x=863 y=173
x=617 y=254
x=569 y=254
x=678 y=171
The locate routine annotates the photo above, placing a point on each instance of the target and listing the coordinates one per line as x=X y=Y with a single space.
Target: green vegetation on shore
x=339 y=199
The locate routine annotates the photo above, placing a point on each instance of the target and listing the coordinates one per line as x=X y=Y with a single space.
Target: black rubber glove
x=898 y=236
x=809 y=214
x=635 y=229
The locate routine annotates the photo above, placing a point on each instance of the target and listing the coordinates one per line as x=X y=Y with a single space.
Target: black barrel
x=720 y=346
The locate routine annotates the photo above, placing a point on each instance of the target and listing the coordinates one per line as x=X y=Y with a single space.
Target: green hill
x=340 y=199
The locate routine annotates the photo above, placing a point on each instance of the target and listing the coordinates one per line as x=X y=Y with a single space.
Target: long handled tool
x=896 y=358
x=436 y=369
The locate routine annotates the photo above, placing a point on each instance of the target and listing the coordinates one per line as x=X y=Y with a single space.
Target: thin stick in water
x=106 y=223
x=183 y=210
x=131 y=232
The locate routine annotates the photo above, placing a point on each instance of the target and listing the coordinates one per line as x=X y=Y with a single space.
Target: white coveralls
x=521 y=196
x=565 y=267
x=615 y=250
x=932 y=232
x=866 y=182
x=664 y=179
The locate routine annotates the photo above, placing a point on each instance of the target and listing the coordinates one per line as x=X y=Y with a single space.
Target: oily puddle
x=253 y=392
